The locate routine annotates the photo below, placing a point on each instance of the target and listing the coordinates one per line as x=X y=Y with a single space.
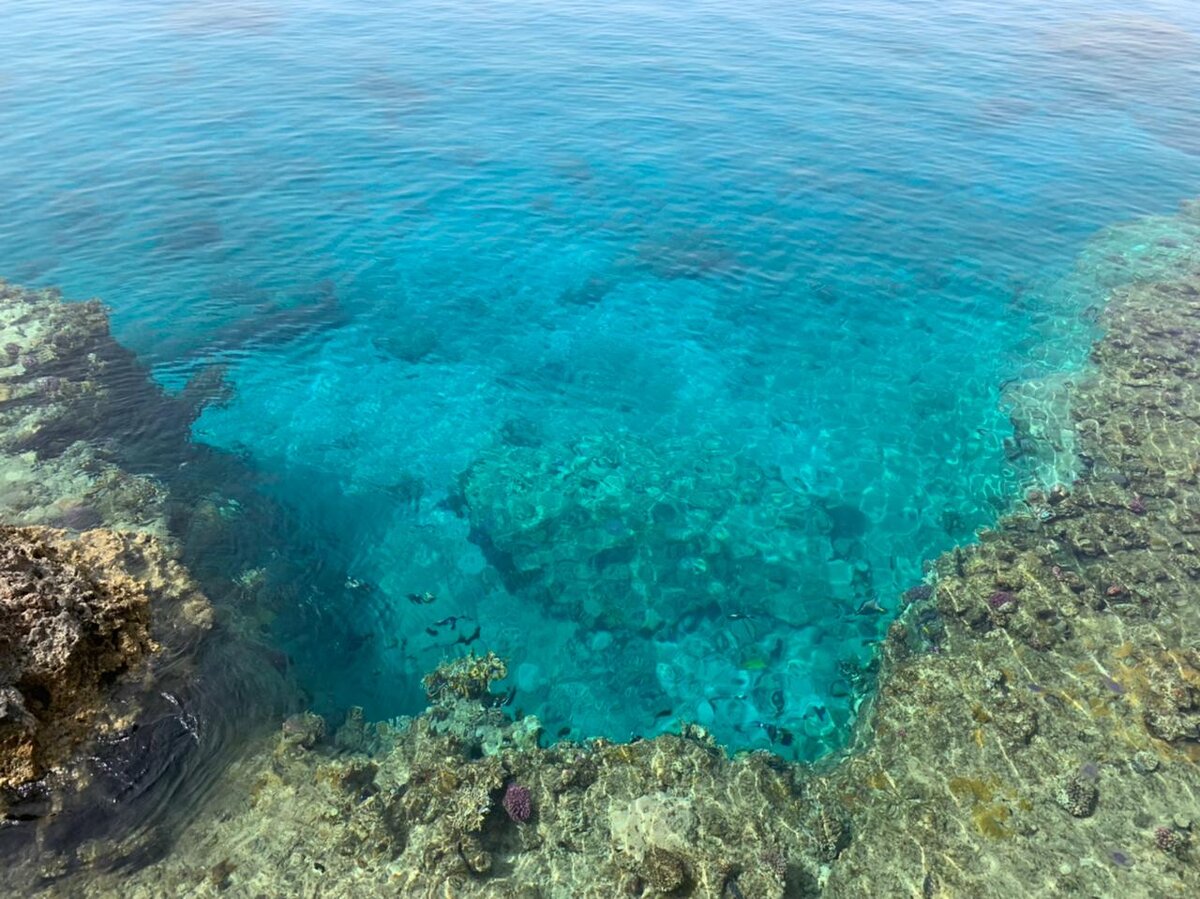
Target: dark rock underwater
x=1035 y=728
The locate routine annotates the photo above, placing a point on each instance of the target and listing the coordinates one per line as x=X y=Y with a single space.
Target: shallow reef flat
x=1035 y=730
x=60 y=374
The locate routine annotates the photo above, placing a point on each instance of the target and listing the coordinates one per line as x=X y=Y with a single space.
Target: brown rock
x=75 y=620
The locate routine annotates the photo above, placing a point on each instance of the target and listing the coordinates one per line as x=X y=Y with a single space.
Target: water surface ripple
x=449 y=249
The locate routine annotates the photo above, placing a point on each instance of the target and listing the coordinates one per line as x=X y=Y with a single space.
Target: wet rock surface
x=64 y=632
x=89 y=627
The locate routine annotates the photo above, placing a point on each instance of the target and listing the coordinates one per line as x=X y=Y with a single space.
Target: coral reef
x=693 y=575
x=1061 y=730
x=518 y=803
x=114 y=705
x=425 y=814
x=464 y=678
x=82 y=428
x=614 y=531
x=1033 y=729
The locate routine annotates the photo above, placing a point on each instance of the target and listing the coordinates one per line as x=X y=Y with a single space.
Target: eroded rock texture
x=75 y=621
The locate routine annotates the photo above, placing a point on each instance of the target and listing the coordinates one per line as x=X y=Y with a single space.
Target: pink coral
x=1002 y=600
x=518 y=803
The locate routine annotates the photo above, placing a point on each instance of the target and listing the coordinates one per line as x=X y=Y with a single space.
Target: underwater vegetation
x=1034 y=728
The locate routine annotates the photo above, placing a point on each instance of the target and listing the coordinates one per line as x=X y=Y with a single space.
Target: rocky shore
x=1035 y=731
x=74 y=621
x=112 y=704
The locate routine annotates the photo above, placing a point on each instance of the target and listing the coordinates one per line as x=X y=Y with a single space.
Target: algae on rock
x=77 y=615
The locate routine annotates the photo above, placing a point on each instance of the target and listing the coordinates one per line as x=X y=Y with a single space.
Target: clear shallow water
x=447 y=245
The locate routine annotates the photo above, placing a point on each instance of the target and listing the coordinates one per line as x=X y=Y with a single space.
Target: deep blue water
x=812 y=240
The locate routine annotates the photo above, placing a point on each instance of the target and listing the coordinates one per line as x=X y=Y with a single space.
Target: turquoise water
x=661 y=343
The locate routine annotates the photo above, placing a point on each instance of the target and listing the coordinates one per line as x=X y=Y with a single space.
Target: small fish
x=563 y=731
x=738 y=697
x=664 y=713
x=871 y=606
x=422 y=599
x=452 y=620
x=777 y=651
x=928 y=886
x=739 y=616
x=754 y=664
x=498 y=700
x=432 y=631
x=468 y=639
x=776 y=734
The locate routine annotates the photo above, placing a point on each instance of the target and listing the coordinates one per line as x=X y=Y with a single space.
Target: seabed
x=1034 y=728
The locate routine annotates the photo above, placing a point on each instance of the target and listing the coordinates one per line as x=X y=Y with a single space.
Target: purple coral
x=1002 y=600
x=518 y=803
x=1168 y=839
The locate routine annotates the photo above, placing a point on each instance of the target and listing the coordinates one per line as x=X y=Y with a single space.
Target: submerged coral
x=1033 y=729
x=685 y=565
x=518 y=803
x=614 y=531
x=464 y=678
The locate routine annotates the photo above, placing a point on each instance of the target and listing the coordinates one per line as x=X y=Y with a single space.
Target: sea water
x=652 y=345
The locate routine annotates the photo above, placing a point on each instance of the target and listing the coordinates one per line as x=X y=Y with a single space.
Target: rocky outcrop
x=79 y=618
